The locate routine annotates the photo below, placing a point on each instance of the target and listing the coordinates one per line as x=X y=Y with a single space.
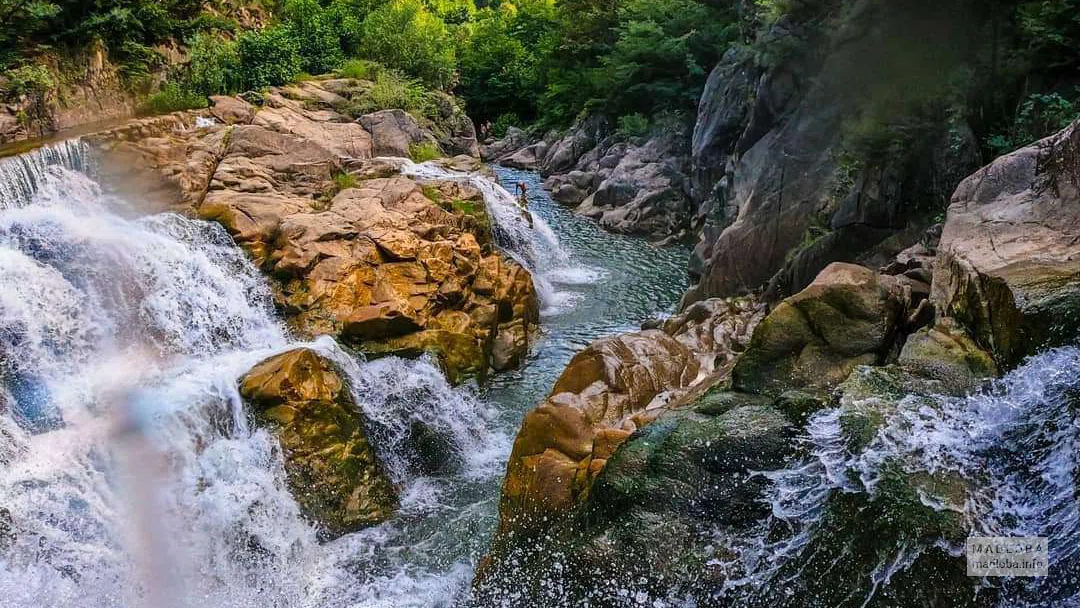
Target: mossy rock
x=947 y=354
x=332 y=469
x=813 y=340
x=860 y=533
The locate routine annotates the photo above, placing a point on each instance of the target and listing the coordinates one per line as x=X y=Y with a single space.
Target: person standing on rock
x=522 y=191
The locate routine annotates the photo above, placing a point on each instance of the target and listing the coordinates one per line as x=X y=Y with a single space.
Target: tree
x=404 y=35
x=312 y=29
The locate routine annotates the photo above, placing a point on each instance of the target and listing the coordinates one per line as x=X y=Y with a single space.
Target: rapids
x=129 y=473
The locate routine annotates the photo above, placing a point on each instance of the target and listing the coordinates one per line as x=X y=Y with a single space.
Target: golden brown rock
x=334 y=473
x=610 y=389
x=354 y=249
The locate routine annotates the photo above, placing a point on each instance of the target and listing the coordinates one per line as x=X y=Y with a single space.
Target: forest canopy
x=542 y=62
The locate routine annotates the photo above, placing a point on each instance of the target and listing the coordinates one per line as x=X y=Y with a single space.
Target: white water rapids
x=129 y=475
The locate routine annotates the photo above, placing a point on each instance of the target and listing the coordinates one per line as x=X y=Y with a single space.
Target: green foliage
x=214 y=68
x=1038 y=116
x=633 y=125
x=172 y=97
x=499 y=73
x=268 y=57
x=404 y=35
x=359 y=69
x=392 y=90
x=503 y=123
x=30 y=79
x=311 y=28
x=454 y=12
x=424 y=151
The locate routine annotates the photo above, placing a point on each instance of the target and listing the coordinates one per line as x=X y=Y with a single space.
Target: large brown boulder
x=849 y=316
x=612 y=388
x=331 y=467
x=1009 y=260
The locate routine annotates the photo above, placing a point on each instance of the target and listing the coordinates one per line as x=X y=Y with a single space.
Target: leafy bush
x=404 y=35
x=173 y=97
x=214 y=68
x=30 y=79
x=392 y=90
x=1038 y=116
x=268 y=57
x=424 y=151
x=311 y=28
x=633 y=125
x=503 y=123
x=360 y=69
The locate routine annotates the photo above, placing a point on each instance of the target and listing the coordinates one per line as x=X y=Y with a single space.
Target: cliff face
x=781 y=166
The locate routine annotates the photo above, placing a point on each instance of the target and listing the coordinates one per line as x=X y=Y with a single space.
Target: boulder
x=610 y=389
x=946 y=353
x=811 y=341
x=332 y=469
x=514 y=140
x=528 y=158
x=1008 y=264
x=649 y=524
x=393 y=132
x=645 y=193
x=231 y=110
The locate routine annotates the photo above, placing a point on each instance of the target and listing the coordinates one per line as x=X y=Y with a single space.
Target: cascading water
x=1017 y=446
x=20 y=176
x=520 y=233
x=129 y=475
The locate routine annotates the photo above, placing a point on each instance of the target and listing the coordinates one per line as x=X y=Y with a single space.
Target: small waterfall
x=22 y=175
x=127 y=464
x=518 y=232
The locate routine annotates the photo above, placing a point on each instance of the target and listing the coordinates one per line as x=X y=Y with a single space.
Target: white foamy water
x=1016 y=445
x=128 y=468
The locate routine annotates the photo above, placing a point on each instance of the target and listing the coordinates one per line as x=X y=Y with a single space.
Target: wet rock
x=648 y=523
x=331 y=467
x=1008 y=266
x=613 y=387
x=811 y=341
x=946 y=353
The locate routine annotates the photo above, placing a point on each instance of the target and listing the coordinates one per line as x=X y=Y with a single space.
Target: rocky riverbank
x=640 y=475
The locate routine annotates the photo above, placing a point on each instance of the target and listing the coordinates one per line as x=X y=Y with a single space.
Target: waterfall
x=1016 y=443
x=518 y=232
x=129 y=474
x=20 y=176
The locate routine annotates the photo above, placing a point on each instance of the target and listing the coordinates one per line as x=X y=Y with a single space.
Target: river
x=129 y=475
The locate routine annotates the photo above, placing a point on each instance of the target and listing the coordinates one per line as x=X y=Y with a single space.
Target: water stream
x=129 y=474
